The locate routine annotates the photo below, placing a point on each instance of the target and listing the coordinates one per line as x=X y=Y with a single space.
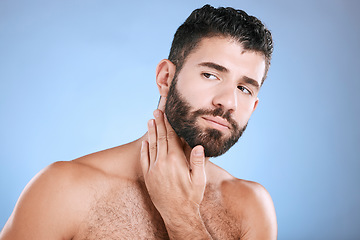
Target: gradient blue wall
x=78 y=76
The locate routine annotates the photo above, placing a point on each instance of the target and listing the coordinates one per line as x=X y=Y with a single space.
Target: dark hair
x=209 y=21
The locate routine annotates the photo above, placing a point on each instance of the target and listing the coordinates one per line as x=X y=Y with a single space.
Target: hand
x=176 y=186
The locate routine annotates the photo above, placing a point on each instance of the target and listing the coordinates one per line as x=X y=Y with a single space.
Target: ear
x=165 y=72
x=255 y=104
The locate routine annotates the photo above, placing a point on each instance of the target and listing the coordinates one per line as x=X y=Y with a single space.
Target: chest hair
x=219 y=220
x=128 y=213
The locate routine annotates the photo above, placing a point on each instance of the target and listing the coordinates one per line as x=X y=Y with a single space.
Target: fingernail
x=151 y=122
x=142 y=145
x=157 y=113
x=199 y=152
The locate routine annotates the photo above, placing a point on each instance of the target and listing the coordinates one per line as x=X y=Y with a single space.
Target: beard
x=184 y=123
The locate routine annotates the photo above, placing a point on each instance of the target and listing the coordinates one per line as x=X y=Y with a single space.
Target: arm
x=176 y=188
x=258 y=218
x=42 y=211
x=263 y=221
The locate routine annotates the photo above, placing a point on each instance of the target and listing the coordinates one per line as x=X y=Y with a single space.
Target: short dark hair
x=209 y=22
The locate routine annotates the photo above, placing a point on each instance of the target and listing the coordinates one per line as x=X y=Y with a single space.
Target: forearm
x=187 y=226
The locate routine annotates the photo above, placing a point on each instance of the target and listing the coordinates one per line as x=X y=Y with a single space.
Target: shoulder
x=244 y=190
x=252 y=203
x=52 y=204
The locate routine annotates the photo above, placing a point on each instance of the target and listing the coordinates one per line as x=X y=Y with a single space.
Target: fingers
x=157 y=137
x=162 y=141
x=144 y=157
x=152 y=148
x=173 y=138
x=197 y=164
x=162 y=138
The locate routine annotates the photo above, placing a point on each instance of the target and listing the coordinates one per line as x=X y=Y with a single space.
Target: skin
x=157 y=187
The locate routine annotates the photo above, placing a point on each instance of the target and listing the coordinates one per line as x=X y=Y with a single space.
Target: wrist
x=184 y=221
x=181 y=213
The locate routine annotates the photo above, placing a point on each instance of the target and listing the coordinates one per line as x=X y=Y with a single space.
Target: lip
x=217 y=122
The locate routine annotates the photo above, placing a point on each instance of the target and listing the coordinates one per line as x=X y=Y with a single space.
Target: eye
x=244 y=89
x=209 y=76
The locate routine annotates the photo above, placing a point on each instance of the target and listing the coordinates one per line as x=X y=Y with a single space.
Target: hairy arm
x=175 y=186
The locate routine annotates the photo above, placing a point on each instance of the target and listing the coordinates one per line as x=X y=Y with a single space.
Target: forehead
x=230 y=54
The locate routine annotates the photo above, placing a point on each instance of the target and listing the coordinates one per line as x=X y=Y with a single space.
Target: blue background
x=79 y=76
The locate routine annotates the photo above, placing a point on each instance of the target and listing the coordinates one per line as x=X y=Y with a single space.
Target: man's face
x=211 y=99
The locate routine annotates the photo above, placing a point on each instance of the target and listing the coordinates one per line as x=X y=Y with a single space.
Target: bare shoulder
x=252 y=203
x=57 y=200
x=244 y=191
x=52 y=204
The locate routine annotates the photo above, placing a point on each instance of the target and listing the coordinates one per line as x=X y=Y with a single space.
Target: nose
x=226 y=97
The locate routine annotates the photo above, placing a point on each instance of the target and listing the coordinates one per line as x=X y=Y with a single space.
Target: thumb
x=197 y=164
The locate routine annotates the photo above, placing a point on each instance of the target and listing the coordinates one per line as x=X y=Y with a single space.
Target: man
x=163 y=186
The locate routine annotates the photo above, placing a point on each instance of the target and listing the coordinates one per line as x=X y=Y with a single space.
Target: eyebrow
x=220 y=68
x=251 y=82
x=214 y=66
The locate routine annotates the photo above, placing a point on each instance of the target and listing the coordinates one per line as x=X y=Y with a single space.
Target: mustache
x=218 y=112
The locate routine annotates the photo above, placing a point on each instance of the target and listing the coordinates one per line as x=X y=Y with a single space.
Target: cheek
x=199 y=99
x=244 y=111
x=196 y=94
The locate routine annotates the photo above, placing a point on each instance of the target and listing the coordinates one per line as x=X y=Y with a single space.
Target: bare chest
x=129 y=214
